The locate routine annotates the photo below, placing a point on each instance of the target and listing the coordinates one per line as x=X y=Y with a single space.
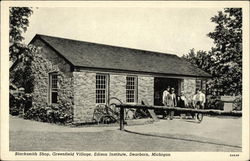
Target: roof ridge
x=142 y=50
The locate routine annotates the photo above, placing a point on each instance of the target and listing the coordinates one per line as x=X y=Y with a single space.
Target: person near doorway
x=199 y=99
x=164 y=96
x=166 y=99
x=172 y=103
x=182 y=100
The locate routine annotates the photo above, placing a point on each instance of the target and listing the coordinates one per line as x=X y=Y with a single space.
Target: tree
x=227 y=52
x=200 y=59
x=20 y=53
x=224 y=61
x=18 y=23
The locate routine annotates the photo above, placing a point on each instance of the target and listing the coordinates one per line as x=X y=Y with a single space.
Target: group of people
x=170 y=99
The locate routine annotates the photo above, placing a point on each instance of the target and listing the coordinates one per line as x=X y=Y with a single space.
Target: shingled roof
x=93 y=55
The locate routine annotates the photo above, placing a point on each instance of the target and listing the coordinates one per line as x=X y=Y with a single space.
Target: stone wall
x=85 y=88
x=46 y=61
x=146 y=89
x=189 y=88
x=118 y=87
x=84 y=97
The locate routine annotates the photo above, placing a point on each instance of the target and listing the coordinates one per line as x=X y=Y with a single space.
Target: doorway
x=161 y=83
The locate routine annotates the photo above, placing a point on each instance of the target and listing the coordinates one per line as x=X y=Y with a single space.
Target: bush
x=238 y=103
x=51 y=114
x=214 y=103
x=19 y=102
x=14 y=107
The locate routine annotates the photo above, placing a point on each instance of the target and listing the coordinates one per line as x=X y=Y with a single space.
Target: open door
x=160 y=84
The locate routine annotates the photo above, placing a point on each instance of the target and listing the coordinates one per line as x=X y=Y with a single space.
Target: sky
x=167 y=30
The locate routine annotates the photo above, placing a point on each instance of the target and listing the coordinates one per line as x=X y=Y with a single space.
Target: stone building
x=80 y=75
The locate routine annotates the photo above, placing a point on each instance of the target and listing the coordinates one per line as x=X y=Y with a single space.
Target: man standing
x=173 y=103
x=164 y=96
x=199 y=99
x=165 y=99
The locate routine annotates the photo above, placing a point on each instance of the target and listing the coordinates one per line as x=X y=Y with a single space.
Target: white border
x=6 y=155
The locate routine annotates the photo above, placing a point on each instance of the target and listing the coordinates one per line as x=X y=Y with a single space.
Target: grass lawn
x=28 y=136
x=104 y=141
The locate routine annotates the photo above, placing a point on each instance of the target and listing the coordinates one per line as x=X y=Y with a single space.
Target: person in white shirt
x=165 y=96
x=199 y=99
x=166 y=99
x=172 y=103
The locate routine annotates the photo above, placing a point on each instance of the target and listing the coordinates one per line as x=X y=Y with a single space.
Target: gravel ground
x=213 y=134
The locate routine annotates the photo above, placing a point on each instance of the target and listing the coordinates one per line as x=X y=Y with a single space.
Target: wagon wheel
x=140 y=113
x=112 y=102
x=99 y=112
x=129 y=114
x=107 y=119
x=199 y=117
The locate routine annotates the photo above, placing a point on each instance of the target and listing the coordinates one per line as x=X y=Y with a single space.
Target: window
x=53 y=88
x=131 y=89
x=101 y=88
x=201 y=84
x=198 y=84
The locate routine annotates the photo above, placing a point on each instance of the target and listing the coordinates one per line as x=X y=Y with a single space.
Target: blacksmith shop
x=80 y=75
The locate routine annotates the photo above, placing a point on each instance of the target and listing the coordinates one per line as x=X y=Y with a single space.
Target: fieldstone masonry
x=189 y=88
x=84 y=98
x=84 y=92
x=146 y=89
x=45 y=62
x=118 y=87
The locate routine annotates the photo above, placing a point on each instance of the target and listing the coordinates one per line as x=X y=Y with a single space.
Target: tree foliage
x=200 y=59
x=224 y=61
x=227 y=37
x=18 y=23
x=20 y=53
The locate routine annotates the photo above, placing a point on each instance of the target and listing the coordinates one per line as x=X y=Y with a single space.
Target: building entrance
x=160 y=84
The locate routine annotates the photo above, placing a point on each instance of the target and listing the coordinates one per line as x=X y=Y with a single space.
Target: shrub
x=51 y=114
x=214 y=103
x=238 y=103
x=14 y=108
x=19 y=102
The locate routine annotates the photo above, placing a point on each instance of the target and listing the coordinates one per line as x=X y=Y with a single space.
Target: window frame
x=135 y=89
x=202 y=84
x=51 y=88
x=106 y=88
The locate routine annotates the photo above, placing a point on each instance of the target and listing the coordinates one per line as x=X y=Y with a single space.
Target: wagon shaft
x=184 y=110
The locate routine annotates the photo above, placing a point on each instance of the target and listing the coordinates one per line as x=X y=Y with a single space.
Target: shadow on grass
x=184 y=139
x=193 y=121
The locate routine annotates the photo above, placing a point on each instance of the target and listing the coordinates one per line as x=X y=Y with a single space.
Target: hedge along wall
x=45 y=62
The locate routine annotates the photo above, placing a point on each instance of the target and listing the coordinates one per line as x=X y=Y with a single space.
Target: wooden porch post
x=121 y=118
